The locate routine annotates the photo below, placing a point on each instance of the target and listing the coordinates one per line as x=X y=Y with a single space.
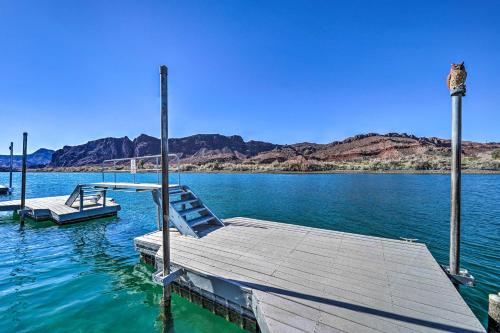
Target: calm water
x=87 y=277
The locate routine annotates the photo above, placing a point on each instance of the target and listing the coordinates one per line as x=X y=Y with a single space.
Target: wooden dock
x=298 y=279
x=55 y=209
x=66 y=209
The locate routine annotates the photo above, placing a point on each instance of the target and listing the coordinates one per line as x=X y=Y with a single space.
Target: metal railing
x=140 y=164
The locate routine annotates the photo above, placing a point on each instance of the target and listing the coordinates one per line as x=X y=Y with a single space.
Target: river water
x=87 y=277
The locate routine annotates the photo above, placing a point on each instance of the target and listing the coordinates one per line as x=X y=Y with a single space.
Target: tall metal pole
x=11 y=148
x=165 y=201
x=456 y=84
x=23 y=176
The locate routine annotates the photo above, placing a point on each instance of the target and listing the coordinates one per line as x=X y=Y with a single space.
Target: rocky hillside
x=208 y=152
x=371 y=146
x=199 y=148
x=38 y=159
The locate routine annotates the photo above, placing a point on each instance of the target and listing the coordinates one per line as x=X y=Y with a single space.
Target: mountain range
x=208 y=152
x=38 y=159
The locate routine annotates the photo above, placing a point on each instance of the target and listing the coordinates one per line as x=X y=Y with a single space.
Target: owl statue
x=457 y=76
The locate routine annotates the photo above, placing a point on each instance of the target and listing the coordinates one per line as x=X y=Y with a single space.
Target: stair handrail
x=133 y=162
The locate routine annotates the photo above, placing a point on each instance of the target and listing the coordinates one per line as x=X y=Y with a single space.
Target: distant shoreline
x=412 y=172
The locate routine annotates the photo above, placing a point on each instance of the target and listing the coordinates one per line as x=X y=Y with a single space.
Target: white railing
x=140 y=164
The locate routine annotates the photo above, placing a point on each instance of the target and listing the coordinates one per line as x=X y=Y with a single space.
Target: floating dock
x=56 y=209
x=86 y=202
x=275 y=277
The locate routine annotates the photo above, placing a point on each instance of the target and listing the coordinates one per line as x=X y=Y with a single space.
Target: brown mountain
x=371 y=146
x=370 y=151
x=200 y=148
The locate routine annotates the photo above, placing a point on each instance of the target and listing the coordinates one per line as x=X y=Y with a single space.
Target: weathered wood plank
x=312 y=280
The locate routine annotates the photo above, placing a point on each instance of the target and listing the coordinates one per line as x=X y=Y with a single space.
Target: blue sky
x=280 y=71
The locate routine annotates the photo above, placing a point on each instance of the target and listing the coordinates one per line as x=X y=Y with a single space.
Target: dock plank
x=312 y=280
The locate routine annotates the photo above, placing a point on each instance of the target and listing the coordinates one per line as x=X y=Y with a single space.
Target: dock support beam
x=23 y=177
x=11 y=148
x=165 y=200
x=456 y=84
x=494 y=313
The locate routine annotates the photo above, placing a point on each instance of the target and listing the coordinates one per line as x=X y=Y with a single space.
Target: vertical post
x=23 y=176
x=456 y=84
x=104 y=197
x=81 y=199
x=165 y=200
x=178 y=173
x=494 y=314
x=11 y=148
x=456 y=174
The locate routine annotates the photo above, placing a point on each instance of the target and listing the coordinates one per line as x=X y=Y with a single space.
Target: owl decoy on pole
x=456 y=77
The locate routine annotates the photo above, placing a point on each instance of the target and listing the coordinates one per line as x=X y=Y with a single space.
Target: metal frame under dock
x=291 y=278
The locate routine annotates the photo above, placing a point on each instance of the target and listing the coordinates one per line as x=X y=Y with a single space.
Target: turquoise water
x=87 y=277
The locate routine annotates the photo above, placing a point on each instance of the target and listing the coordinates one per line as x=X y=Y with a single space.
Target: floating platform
x=290 y=278
x=55 y=209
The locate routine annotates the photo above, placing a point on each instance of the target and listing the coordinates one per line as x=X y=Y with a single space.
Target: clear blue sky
x=280 y=71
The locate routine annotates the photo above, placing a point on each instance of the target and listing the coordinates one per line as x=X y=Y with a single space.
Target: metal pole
x=11 y=148
x=456 y=84
x=81 y=198
x=23 y=176
x=456 y=171
x=165 y=200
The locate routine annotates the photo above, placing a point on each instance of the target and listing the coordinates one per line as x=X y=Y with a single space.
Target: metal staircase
x=188 y=214
x=83 y=193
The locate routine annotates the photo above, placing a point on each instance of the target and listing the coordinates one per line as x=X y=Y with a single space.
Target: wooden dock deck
x=54 y=208
x=301 y=279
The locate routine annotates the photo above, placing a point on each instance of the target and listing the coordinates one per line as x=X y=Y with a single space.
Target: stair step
x=178 y=192
x=200 y=220
x=92 y=197
x=185 y=201
x=89 y=194
x=192 y=210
